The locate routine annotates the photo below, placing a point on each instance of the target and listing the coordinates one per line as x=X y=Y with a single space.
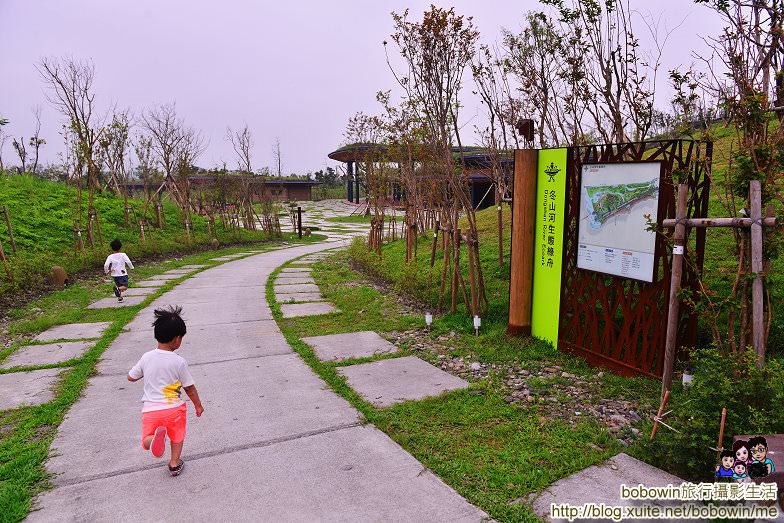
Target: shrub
x=753 y=399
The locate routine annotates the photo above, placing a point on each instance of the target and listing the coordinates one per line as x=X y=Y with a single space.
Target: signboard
x=548 y=243
x=617 y=201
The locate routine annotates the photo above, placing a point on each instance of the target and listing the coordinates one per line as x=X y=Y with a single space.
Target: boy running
x=165 y=376
x=115 y=264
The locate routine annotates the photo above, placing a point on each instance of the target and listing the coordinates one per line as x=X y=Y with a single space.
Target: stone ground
x=296 y=450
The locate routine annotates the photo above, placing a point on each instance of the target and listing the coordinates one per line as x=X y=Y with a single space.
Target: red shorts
x=173 y=419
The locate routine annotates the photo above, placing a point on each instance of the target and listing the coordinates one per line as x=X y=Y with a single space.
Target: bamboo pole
x=675 y=284
x=757 y=298
x=521 y=279
x=98 y=226
x=500 y=232
x=435 y=243
x=10 y=231
x=663 y=404
x=299 y=222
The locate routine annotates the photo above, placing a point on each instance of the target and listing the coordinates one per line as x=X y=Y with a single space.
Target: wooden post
x=675 y=285
x=10 y=231
x=159 y=215
x=757 y=299
x=721 y=431
x=98 y=226
x=299 y=221
x=472 y=276
x=500 y=231
x=521 y=281
x=5 y=263
x=660 y=413
x=141 y=231
x=90 y=230
x=456 y=263
x=444 y=266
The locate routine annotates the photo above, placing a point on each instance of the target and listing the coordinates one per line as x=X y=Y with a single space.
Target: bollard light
x=688 y=376
x=428 y=319
x=477 y=324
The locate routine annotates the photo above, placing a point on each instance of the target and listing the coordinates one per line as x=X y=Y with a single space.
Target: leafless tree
x=3 y=139
x=36 y=141
x=242 y=143
x=278 y=158
x=21 y=151
x=70 y=84
x=165 y=129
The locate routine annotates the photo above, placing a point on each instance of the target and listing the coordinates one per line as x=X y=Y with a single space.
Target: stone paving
x=299 y=297
x=139 y=291
x=27 y=388
x=387 y=382
x=46 y=354
x=73 y=331
x=338 y=347
x=315 y=308
x=150 y=283
x=128 y=301
x=299 y=451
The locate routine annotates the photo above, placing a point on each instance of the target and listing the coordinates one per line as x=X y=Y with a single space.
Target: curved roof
x=365 y=151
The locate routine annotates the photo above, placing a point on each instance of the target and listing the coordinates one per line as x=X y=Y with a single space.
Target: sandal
x=175 y=471
x=158 y=443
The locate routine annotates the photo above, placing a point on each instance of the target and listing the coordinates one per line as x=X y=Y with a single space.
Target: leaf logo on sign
x=551 y=171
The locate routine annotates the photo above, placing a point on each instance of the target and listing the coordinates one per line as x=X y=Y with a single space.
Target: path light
x=428 y=319
x=477 y=324
x=688 y=376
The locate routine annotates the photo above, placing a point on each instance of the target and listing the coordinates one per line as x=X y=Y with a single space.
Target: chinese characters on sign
x=550 y=198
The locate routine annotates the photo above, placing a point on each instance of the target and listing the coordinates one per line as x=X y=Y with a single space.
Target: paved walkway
x=274 y=444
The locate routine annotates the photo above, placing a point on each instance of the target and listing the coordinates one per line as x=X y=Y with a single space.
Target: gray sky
x=295 y=70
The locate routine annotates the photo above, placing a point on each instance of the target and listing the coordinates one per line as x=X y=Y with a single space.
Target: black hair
x=168 y=323
x=745 y=465
x=739 y=444
x=756 y=440
x=727 y=454
x=115 y=245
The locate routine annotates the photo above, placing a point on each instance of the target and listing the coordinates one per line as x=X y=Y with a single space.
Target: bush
x=753 y=399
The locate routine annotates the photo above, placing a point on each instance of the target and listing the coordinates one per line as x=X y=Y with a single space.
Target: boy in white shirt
x=165 y=376
x=115 y=264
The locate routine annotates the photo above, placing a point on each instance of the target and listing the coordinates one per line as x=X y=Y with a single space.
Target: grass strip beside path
x=26 y=433
x=492 y=453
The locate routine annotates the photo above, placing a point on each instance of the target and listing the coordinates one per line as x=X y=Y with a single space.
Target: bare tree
x=166 y=132
x=278 y=158
x=242 y=143
x=3 y=139
x=36 y=141
x=70 y=84
x=21 y=151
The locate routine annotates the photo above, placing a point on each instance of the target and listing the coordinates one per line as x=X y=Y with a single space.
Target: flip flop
x=176 y=471
x=158 y=444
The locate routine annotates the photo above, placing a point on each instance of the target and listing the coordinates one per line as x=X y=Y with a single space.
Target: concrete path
x=274 y=444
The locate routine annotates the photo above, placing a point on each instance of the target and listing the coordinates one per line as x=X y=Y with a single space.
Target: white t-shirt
x=164 y=373
x=117 y=261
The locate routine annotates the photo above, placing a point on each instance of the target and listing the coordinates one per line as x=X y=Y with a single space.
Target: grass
x=350 y=219
x=491 y=452
x=43 y=232
x=26 y=433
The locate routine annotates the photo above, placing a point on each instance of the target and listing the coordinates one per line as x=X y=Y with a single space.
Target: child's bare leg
x=122 y=288
x=146 y=442
x=176 y=450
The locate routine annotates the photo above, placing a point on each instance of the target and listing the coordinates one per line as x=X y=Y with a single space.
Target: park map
x=604 y=201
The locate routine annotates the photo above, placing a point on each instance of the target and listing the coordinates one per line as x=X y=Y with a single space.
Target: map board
x=616 y=202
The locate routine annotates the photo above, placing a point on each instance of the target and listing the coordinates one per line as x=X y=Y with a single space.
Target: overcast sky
x=295 y=69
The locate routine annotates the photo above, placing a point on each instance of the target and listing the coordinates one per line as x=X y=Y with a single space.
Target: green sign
x=548 y=243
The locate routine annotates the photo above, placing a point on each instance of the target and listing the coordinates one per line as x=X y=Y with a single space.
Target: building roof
x=477 y=156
